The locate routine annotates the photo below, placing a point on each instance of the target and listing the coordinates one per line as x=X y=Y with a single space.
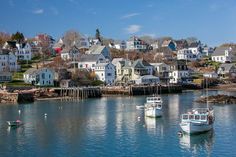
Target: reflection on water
x=154 y=125
x=196 y=143
x=112 y=126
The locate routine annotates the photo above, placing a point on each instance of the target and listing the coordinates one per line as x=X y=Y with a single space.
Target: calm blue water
x=110 y=127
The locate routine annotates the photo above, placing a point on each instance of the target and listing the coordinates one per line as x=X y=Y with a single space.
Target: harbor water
x=112 y=126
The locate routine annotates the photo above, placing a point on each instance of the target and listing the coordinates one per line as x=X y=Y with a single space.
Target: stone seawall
x=6 y=97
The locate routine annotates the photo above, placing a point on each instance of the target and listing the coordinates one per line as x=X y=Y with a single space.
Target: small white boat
x=14 y=123
x=153 y=106
x=197 y=121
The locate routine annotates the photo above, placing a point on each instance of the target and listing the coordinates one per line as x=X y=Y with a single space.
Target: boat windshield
x=197 y=117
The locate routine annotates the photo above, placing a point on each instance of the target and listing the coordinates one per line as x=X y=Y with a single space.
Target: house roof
x=32 y=71
x=116 y=60
x=138 y=64
x=89 y=57
x=101 y=64
x=4 y=51
x=71 y=49
x=166 y=43
x=220 y=51
x=96 y=49
x=226 y=66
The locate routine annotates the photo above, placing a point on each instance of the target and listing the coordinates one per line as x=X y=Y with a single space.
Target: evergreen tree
x=19 y=37
x=98 y=36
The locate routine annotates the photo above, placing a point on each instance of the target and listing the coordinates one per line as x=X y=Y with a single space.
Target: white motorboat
x=197 y=121
x=153 y=106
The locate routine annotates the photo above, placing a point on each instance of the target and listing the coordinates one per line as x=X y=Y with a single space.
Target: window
x=108 y=74
x=43 y=76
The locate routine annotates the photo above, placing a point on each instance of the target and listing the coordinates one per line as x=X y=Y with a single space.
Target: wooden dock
x=141 y=90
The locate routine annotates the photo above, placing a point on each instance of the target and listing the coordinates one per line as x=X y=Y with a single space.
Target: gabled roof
x=4 y=51
x=72 y=49
x=32 y=71
x=227 y=66
x=116 y=60
x=96 y=49
x=220 y=51
x=138 y=64
x=89 y=57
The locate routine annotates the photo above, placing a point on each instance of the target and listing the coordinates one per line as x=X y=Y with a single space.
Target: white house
x=222 y=54
x=70 y=53
x=134 y=43
x=8 y=61
x=105 y=72
x=39 y=77
x=179 y=72
x=89 y=61
x=24 y=51
x=161 y=70
x=186 y=54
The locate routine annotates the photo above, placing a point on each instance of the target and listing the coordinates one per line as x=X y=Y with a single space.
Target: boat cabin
x=194 y=117
x=154 y=100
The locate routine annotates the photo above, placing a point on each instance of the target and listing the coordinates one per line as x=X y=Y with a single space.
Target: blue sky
x=211 y=21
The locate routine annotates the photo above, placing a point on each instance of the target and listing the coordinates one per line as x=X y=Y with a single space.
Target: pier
x=141 y=90
x=77 y=93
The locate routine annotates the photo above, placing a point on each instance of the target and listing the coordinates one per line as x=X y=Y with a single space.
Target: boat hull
x=194 y=128
x=14 y=123
x=153 y=112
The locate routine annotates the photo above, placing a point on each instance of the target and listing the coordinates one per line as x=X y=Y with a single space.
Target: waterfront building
x=161 y=70
x=105 y=72
x=179 y=72
x=39 y=77
x=222 y=54
x=127 y=70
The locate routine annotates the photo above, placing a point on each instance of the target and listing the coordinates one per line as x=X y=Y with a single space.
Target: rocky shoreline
x=218 y=99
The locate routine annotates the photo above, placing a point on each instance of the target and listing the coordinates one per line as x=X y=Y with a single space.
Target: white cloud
x=130 y=15
x=38 y=11
x=133 y=29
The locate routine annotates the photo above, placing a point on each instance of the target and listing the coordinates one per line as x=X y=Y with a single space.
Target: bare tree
x=4 y=37
x=71 y=38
